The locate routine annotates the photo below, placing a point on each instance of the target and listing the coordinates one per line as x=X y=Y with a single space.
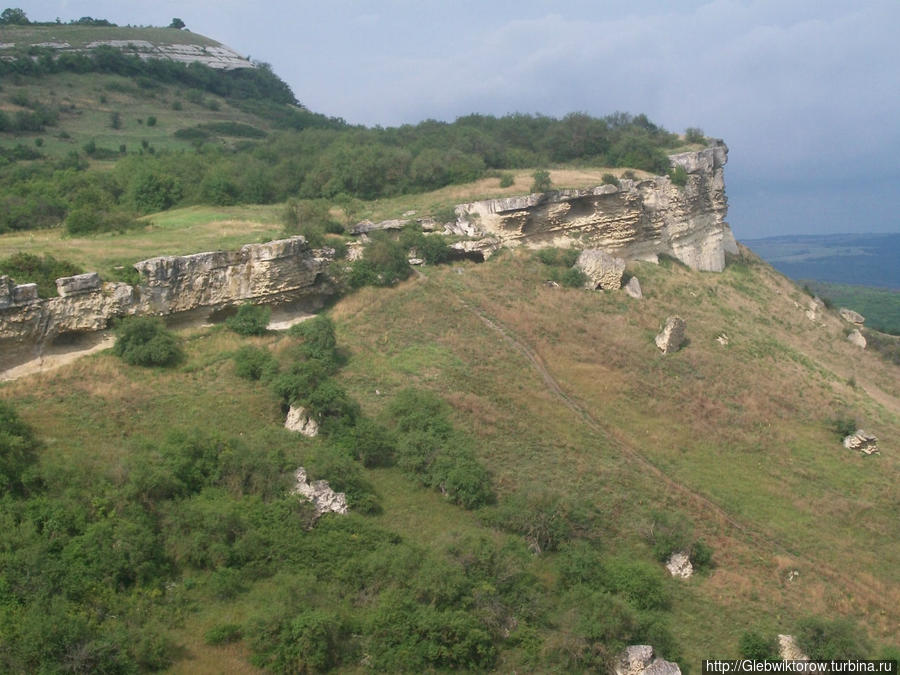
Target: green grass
x=81 y=36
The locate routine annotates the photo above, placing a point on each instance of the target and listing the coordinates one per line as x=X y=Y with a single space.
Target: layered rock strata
x=635 y=220
x=277 y=271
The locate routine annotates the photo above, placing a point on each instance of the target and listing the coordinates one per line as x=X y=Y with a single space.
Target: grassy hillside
x=568 y=404
x=880 y=306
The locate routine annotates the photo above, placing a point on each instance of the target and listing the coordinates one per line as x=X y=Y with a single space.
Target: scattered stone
x=301 y=421
x=551 y=284
x=851 y=316
x=862 y=441
x=857 y=338
x=478 y=250
x=679 y=565
x=792 y=575
x=407 y=214
x=368 y=226
x=789 y=650
x=428 y=224
x=638 y=660
x=672 y=336
x=416 y=261
x=354 y=251
x=80 y=283
x=320 y=494
x=633 y=288
x=815 y=306
x=602 y=270
x=24 y=294
x=723 y=340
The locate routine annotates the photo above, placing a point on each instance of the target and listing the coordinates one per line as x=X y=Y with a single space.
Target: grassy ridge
x=880 y=306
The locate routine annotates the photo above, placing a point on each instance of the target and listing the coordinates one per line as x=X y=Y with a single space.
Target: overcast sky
x=806 y=93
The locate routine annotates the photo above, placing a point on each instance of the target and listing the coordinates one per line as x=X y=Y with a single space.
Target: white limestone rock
x=851 y=316
x=601 y=269
x=80 y=283
x=671 y=337
x=323 y=498
x=862 y=441
x=478 y=250
x=857 y=338
x=788 y=649
x=633 y=288
x=679 y=565
x=367 y=226
x=639 y=660
x=299 y=420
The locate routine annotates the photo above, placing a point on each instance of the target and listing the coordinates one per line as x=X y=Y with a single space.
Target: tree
x=177 y=23
x=13 y=16
x=542 y=181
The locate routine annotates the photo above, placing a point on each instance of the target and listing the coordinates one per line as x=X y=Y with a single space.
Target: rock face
x=672 y=336
x=858 y=339
x=862 y=441
x=638 y=219
x=851 y=316
x=478 y=250
x=320 y=494
x=788 y=649
x=299 y=420
x=367 y=226
x=679 y=565
x=638 y=660
x=272 y=272
x=601 y=269
x=815 y=307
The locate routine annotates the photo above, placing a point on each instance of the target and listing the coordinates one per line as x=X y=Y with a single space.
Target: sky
x=806 y=93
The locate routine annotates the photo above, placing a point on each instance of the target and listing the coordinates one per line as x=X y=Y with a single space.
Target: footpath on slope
x=757 y=537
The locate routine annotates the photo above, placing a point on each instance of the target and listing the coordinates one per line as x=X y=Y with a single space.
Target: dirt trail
x=763 y=540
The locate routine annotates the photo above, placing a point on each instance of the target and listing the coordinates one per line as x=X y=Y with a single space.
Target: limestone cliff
x=638 y=219
x=277 y=271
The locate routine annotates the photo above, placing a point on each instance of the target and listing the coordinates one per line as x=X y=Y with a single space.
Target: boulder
x=601 y=269
x=7 y=286
x=862 y=441
x=24 y=294
x=815 y=306
x=788 y=649
x=633 y=288
x=851 y=316
x=301 y=421
x=639 y=660
x=80 y=283
x=320 y=494
x=672 y=336
x=354 y=251
x=368 y=226
x=857 y=338
x=723 y=339
x=679 y=565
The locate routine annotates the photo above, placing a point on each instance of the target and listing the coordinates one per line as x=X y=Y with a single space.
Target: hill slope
x=566 y=398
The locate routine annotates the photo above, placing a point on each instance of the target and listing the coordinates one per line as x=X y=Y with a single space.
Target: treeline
x=337 y=164
x=259 y=84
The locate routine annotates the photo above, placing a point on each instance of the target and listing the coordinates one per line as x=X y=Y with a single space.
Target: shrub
x=151 y=121
x=669 y=533
x=319 y=340
x=144 y=341
x=754 y=646
x=506 y=180
x=254 y=363
x=384 y=263
x=541 y=517
x=223 y=633
x=27 y=268
x=573 y=278
x=542 y=182
x=250 y=319
x=826 y=639
x=641 y=583
x=18 y=450
x=701 y=555
x=310 y=642
x=368 y=442
x=843 y=425
x=694 y=135
x=609 y=179
x=678 y=176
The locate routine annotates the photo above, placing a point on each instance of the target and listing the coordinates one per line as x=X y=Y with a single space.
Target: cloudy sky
x=805 y=92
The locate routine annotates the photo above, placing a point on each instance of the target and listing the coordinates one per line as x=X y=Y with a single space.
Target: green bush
x=694 y=135
x=26 y=268
x=609 y=179
x=573 y=278
x=506 y=180
x=223 y=633
x=544 y=519
x=558 y=257
x=643 y=584
x=669 y=533
x=250 y=319
x=368 y=442
x=678 y=176
x=319 y=340
x=542 y=182
x=144 y=341
x=18 y=450
x=255 y=363
x=843 y=425
x=701 y=555
x=384 y=263
x=827 y=639
x=754 y=646
x=310 y=642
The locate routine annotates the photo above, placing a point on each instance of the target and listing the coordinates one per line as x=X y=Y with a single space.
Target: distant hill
x=859 y=259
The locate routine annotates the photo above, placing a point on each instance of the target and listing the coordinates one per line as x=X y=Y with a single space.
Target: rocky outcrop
x=323 y=498
x=299 y=420
x=862 y=442
x=671 y=337
x=789 y=650
x=815 y=307
x=639 y=660
x=601 y=269
x=857 y=338
x=366 y=226
x=272 y=272
x=853 y=317
x=679 y=565
x=637 y=219
x=478 y=250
